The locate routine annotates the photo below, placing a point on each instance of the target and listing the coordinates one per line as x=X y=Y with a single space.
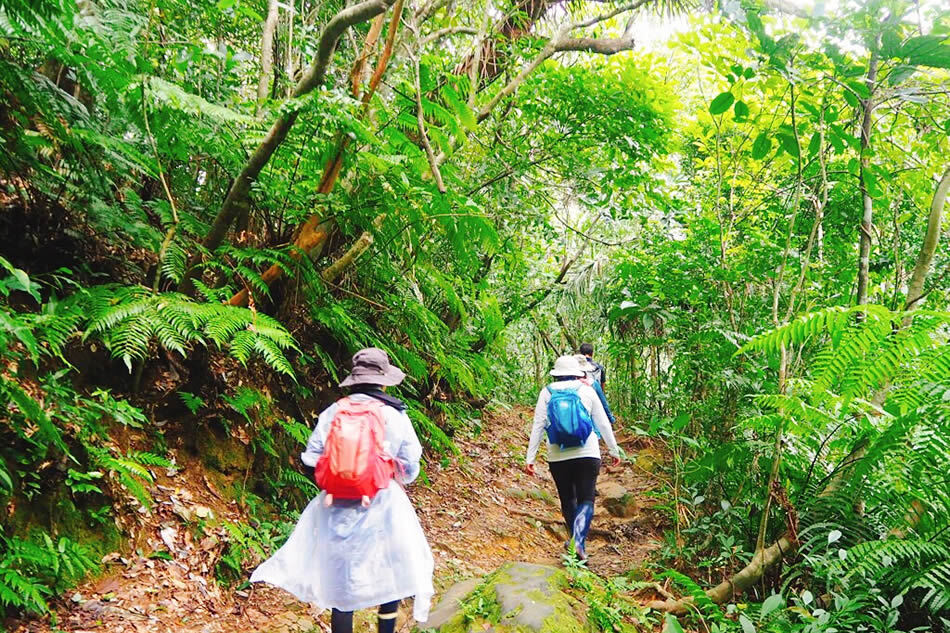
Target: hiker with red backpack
x=570 y=415
x=359 y=544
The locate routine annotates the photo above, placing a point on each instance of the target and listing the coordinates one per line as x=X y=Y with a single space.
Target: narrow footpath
x=478 y=512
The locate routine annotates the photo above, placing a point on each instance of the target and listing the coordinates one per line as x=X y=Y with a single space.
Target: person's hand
x=529 y=468
x=615 y=462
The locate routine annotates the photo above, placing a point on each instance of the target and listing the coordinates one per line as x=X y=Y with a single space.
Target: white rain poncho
x=348 y=557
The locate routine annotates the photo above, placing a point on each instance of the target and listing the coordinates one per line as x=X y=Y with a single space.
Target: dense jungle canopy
x=206 y=206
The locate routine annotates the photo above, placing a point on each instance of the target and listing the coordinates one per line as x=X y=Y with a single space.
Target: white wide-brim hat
x=585 y=364
x=567 y=366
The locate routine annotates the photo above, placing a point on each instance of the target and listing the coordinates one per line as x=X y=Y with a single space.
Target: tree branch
x=451 y=30
x=421 y=125
x=603 y=46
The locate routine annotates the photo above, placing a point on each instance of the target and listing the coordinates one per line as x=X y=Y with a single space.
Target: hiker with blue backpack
x=359 y=544
x=589 y=369
x=570 y=415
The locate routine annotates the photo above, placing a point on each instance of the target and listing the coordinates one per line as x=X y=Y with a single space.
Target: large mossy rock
x=617 y=500
x=518 y=598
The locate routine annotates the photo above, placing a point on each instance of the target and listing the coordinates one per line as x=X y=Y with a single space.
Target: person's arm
x=537 y=429
x=603 y=400
x=604 y=427
x=408 y=453
x=318 y=438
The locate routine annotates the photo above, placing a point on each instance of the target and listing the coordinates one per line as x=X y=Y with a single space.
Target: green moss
x=222 y=452
x=483 y=608
x=99 y=536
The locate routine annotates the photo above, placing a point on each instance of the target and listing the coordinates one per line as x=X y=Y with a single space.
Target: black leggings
x=576 y=480
x=342 y=621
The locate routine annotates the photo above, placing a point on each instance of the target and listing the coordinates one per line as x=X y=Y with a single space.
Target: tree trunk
x=915 y=289
x=237 y=198
x=489 y=55
x=571 y=340
x=267 y=51
x=337 y=268
x=867 y=217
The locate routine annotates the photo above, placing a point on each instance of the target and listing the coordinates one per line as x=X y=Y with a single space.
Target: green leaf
x=19 y=280
x=789 y=144
x=850 y=97
x=860 y=89
x=224 y=5
x=871 y=184
x=814 y=145
x=890 y=44
x=746 y=623
x=671 y=624
x=721 y=103
x=741 y=110
x=900 y=73
x=927 y=50
x=771 y=603
x=762 y=146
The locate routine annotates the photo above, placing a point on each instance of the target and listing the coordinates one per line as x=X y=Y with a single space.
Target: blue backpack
x=569 y=422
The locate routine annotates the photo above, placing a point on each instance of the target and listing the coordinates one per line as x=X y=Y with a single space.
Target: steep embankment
x=479 y=510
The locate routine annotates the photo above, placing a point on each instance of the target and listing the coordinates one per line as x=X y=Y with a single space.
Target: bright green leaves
x=761 y=146
x=927 y=50
x=721 y=103
x=789 y=143
x=741 y=111
x=872 y=181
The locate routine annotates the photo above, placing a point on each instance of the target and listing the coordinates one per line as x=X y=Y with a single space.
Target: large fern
x=885 y=376
x=128 y=319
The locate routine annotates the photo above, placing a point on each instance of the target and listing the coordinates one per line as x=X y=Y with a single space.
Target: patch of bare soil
x=479 y=511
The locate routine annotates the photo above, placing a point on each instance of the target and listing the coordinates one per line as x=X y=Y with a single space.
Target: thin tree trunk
x=783 y=357
x=571 y=340
x=267 y=51
x=332 y=272
x=290 y=69
x=915 y=289
x=867 y=218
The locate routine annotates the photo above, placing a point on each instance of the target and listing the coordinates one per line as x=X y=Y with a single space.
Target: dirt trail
x=478 y=512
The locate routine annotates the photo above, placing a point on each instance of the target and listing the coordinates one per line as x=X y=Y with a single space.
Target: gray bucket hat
x=371 y=367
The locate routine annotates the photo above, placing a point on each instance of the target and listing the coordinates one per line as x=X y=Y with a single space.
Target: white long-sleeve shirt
x=591 y=448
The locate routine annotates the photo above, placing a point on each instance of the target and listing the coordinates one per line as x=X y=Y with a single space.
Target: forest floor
x=478 y=512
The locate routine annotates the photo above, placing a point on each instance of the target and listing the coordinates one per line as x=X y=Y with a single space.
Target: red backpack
x=354 y=464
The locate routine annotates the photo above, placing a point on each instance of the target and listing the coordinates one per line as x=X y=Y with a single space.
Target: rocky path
x=479 y=512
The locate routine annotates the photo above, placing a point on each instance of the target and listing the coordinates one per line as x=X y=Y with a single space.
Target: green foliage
x=129 y=319
x=33 y=569
x=608 y=609
x=248 y=545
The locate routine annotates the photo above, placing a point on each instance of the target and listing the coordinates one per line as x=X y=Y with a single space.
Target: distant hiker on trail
x=359 y=543
x=598 y=373
x=589 y=368
x=569 y=410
